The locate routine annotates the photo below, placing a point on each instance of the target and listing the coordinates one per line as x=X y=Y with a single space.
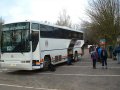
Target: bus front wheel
x=48 y=65
x=47 y=61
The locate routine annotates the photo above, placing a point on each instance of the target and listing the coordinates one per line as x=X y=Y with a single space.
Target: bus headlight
x=25 y=61
x=22 y=61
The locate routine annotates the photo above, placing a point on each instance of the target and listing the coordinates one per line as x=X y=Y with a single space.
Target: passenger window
x=35 y=26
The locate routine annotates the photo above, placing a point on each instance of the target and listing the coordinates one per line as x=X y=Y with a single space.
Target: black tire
x=48 y=65
x=51 y=67
x=47 y=62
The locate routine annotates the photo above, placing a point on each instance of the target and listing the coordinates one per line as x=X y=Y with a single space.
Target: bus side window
x=35 y=26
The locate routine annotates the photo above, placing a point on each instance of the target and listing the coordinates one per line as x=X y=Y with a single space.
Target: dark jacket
x=104 y=54
x=117 y=50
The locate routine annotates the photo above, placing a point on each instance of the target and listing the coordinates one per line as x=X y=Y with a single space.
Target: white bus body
x=25 y=47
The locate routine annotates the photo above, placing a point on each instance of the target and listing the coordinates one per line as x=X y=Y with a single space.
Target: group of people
x=99 y=54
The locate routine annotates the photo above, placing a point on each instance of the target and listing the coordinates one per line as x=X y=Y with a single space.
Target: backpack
x=93 y=55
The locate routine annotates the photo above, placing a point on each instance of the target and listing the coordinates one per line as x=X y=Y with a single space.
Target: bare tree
x=64 y=19
x=104 y=15
x=76 y=26
x=89 y=32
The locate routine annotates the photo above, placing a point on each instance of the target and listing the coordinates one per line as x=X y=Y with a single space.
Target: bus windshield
x=16 y=40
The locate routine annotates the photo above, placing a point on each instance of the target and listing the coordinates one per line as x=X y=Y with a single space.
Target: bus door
x=71 y=46
x=35 y=37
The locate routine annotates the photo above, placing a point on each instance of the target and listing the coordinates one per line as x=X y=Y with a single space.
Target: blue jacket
x=99 y=52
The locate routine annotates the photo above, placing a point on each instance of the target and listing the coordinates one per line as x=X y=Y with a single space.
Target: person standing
x=104 y=56
x=70 y=58
x=99 y=54
x=91 y=48
x=94 y=57
x=117 y=52
x=76 y=56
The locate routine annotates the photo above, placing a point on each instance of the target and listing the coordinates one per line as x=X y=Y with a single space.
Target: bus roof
x=48 y=24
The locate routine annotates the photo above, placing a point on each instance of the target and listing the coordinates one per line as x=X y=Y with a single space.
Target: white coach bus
x=31 y=45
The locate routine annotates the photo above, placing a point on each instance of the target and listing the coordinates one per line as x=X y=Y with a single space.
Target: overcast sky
x=42 y=10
